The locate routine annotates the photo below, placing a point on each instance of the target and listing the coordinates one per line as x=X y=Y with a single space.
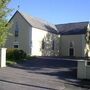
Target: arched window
x=71 y=49
x=53 y=45
x=43 y=44
x=16 y=30
x=71 y=44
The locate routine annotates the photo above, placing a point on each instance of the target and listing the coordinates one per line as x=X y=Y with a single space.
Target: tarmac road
x=42 y=74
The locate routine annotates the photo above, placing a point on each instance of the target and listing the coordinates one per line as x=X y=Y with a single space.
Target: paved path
x=41 y=74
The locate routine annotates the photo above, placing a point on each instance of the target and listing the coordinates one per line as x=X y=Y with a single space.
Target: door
x=71 y=52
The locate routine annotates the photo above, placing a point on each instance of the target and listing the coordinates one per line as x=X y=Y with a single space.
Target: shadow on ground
x=65 y=70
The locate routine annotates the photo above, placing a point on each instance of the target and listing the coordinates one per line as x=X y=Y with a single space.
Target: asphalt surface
x=42 y=74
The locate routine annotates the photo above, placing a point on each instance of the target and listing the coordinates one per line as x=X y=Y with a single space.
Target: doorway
x=71 y=52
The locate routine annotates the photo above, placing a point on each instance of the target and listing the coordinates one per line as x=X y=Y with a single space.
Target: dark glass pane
x=15 y=46
x=16 y=33
x=53 y=45
x=42 y=44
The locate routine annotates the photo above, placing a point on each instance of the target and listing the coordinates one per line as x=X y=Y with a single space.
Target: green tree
x=87 y=38
x=4 y=26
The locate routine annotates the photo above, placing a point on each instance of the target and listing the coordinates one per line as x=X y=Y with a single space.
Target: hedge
x=15 y=54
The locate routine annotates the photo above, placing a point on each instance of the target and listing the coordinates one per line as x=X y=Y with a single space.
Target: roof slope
x=72 y=28
x=38 y=23
x=63 y=29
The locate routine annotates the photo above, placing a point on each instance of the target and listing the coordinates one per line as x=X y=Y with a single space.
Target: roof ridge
x=72 y=28
x=73 y=23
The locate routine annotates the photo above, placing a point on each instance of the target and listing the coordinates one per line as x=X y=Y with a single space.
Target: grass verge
x=10 y=62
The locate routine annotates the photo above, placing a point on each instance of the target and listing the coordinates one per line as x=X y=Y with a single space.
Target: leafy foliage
x=87 y=38
x=4 y=26
x=15 y=54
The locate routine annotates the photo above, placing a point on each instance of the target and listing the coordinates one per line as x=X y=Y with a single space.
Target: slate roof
x=39 y=23
x=72 y=28
x=62 y=29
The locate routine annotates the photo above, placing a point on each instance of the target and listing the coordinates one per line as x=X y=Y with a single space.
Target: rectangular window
x=15 y=46
x=88 y=63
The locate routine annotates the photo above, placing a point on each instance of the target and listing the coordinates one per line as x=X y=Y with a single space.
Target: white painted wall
x=83 y=69
x=37 y=37
x=79 y=45
x=30 y=38
x=3 y=57
x=24 y=38
x=88 y=72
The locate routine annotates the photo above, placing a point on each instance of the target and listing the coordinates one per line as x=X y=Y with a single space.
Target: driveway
x=42 y=74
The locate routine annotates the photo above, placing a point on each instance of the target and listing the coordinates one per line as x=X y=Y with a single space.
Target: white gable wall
x=24 y=37
x=79 y=45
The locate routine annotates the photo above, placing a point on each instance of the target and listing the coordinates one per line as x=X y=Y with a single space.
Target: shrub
x=9 y=53
x=15 y=54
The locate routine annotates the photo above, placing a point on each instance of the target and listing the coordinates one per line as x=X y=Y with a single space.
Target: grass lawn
x=10 y=62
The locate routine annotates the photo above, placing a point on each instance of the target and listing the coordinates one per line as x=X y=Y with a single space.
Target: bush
x=15 y=54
